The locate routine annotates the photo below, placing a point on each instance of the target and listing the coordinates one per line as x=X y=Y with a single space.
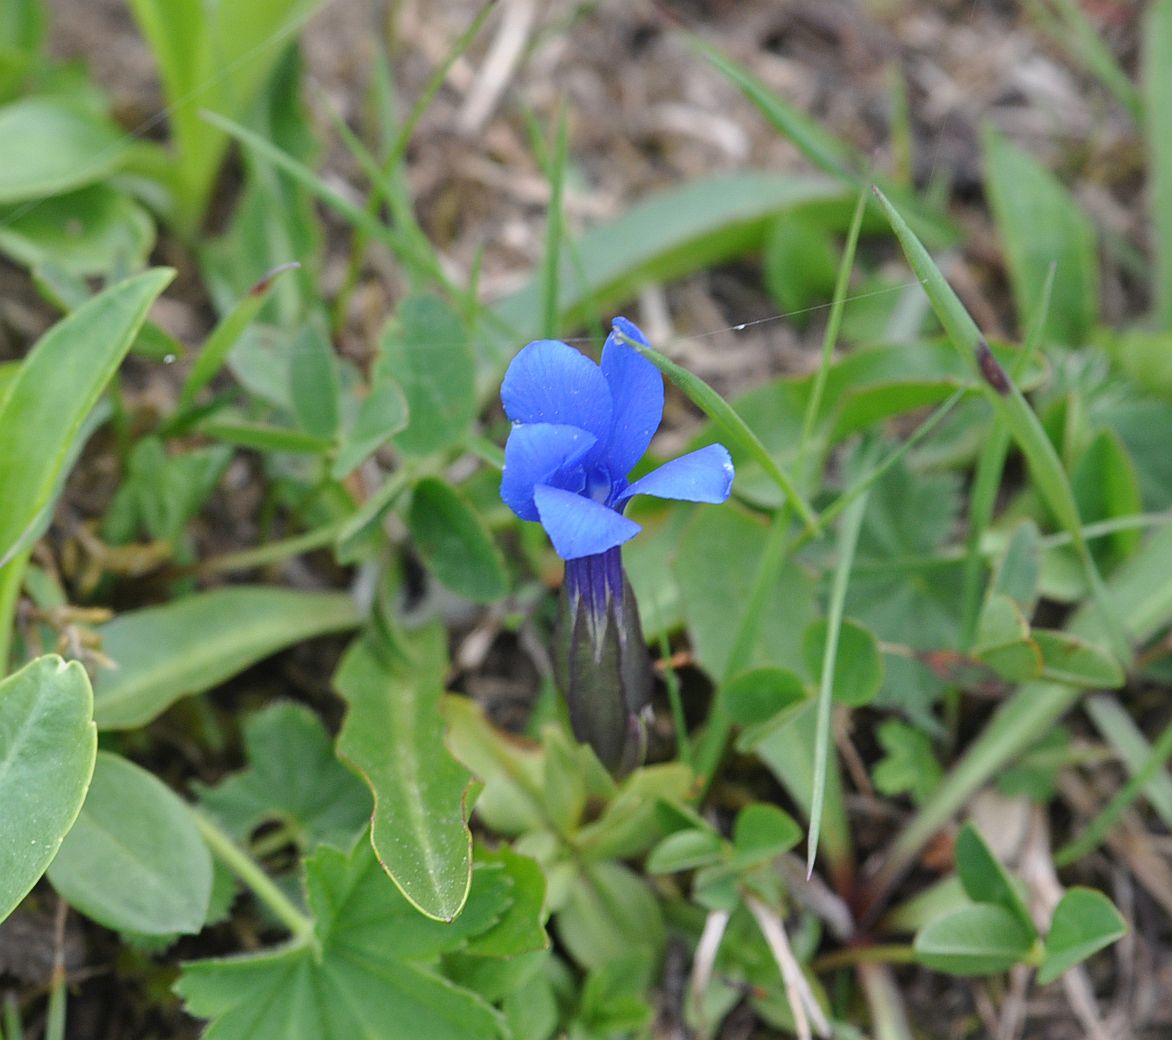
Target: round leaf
x=1084 y=922
x=977 y=940
x=858 y=669
x=134 y=861
x=47 y=747
x=759 y=694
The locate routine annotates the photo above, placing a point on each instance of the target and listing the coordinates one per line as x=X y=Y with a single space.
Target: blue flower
x=578 y=430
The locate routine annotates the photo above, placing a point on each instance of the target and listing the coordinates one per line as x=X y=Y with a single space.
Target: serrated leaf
x=453 y=542
x=425 y=349
x=394 y=736
x=192 y=644
x=293 y=777
x=134 y=860
x=47 y=402
x=368 y=976
x=977 y=940
x=908 y=763
x=519 y=930
x=47 y=747
x=984 y=878
x=1084 y=922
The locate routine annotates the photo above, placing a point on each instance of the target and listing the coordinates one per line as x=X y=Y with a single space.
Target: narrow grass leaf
x=1117 y=727
x=1157 y=74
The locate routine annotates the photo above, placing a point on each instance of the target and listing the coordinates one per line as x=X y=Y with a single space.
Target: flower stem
x=299 y=924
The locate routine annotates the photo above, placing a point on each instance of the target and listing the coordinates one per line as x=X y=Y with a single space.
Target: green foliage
x=369 y=961
x=47 y=748
x=134 y=860
x=393 y=736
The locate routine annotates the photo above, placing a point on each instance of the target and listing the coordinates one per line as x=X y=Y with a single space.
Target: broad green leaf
x=1040 y=224
x=712 y=587
x=858 y=665
x=686 y=850
x=615 y=996
x=1156 y=35
x=53 y=145
x=453 y=542
x=1068 y=659
x=977 y=940
x=425 y=349
x=519 y=929
x=1016 y=573
x=92 y=231
x=382 y=414
x=762 y=832
x=292 y=777
x=47 y=747
x=632 y=821
x=192 y=644
x=801 y=261
x=134 y=860
x=984 y=878
x=610 y=912
x=1084 y=922
x=59 y=382
x=394 y=736
x=759 y=695
x=1003 y=641
x=313 y=379
x=369 y=973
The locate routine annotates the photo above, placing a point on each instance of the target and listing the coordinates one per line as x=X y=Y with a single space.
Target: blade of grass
x=1118 y=729
x=730 y=424
x=1157 y=72
x=848 y=540
x=223 y=338
x=1015 y=412
x=555 y=227
x=1096 y=831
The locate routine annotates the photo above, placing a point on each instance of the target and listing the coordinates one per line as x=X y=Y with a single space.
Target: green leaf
x=454 y=544
x=633 y=820
x=313 y=378
x=382 y=414
x=1016 y=574
x=263 y=437
x=192 y=644
x=686 y=850
x=976 y=940
x=1041 y=224
x=92 y=231
x=908 y=764
x=610 y=912
x=858 y=666
x=1084 y=922
x=615 y=996
x=292 y=777
x=762 y=832
x=59 y=382
x=985 y=879
x=134 y=860
x=394 y=736
x=519 y=929
x=712 y=587
x=759 y=695
x=47 y=747
x=1068 y=659
x=368 y=972
x=1106 y=487
x=53 y=145
x=425 y=349
x=1003 y=641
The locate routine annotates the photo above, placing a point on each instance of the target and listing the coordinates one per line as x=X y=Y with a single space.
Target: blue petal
x=636 y=388
x=579 y=526
x=700 y=476
x=533 y=455
x=550 y=382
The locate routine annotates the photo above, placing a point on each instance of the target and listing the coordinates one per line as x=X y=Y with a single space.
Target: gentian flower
x=578 y=430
